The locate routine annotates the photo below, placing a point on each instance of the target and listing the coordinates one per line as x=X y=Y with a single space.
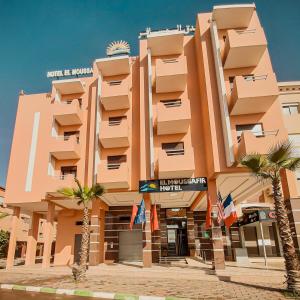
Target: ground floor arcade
x=181 y=227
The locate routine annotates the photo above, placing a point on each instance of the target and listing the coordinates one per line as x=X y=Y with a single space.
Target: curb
x=83 y=293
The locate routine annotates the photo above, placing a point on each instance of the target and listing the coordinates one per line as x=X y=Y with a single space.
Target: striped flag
x=133 y=215
x=220 y=209
x=208 y=220
x=230 y=215
x=154 y=219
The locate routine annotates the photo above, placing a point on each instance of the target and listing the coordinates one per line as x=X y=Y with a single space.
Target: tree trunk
x=289 y=251
x=79 y=272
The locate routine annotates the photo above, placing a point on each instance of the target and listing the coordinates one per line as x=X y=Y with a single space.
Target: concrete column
x=48 y=235
x=191 y=232
x=13 y=238
x=96 y=254
x=32 y=240
x=147 y=243
x=218 y=262
x=23 y=249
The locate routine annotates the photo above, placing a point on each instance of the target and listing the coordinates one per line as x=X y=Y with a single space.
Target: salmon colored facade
x=189 y=105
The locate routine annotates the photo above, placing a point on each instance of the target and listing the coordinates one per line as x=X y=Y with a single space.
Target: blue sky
x=42 y=35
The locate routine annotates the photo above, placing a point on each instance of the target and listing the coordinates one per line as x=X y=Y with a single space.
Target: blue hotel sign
x=173 y=185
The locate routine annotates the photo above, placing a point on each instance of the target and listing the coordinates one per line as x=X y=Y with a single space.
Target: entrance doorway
x=177 y=237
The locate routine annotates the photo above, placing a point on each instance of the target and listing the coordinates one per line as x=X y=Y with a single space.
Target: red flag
x=133 y=215
x=208 y=220
x=154 y=219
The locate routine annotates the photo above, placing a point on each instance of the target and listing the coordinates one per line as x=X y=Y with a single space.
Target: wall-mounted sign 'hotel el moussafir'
x=173 y=185
x=70 y=72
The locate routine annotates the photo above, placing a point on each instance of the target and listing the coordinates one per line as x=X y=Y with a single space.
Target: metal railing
x=113 y=166
x=172 y=152
x=170 y=60
x=63 y=177
x=66 y=137
x=255 y=77
x=259 y=134
x=246 y=31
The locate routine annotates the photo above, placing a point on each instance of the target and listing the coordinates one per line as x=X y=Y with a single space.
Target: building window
x=231 y=80
x=170 y=60
x=171 y=103
x=115 y=82
x=114 y=162
x=295 y=140
x=290 y=109
x=298 y=174
x=173 y=148
x=256 y=129
x=69 y=170
x=115 y=121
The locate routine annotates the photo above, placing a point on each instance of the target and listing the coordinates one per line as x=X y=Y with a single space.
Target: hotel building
x=189 y=105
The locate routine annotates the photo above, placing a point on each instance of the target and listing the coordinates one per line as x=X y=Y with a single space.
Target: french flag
x=230 y=215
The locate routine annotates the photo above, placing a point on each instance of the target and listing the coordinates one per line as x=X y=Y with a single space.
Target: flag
x=220 y=217
x=230 y=215
x=208 y=213
x=141 y=214
x=154 y=219
x=133 y=215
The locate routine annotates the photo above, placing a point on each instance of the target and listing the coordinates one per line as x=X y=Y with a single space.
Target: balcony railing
x=69 y=112
x=244 y=48
x=114 y=134
x=259 y=134
x=171 y=74
x=65 y=147
x=176 y=163
x=115 y=94
x=250 y=142
x=173 y=116
x=113 y=175
x=253 y=94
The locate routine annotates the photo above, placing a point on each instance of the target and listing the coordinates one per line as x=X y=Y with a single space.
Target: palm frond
x=78 y=184
x=280 y=152
x=291 y=164
x=68 y=192
x=98 y=190
x=257 y=163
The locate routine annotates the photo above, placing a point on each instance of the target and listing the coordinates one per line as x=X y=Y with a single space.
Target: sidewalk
x=195 y=280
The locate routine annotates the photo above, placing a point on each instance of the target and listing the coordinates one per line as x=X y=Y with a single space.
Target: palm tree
x=268 y=167
x=84 y=195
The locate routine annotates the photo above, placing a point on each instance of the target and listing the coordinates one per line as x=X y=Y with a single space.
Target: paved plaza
x=194 y=280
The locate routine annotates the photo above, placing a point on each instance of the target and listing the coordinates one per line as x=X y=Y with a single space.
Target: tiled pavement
x=194 y=281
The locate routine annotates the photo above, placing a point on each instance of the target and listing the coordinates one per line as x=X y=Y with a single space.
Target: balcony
x=253 y=94
x=244 y=48
x=259 y=142
x=114 y=135
x=171 y=75
x=112 y=66
x=57 y=182
x=173 y=116
x=176 y=166
x=63 y=147
x=69 y=86
x=113 y=176
x=165 y=42
x=68 y=113
x=233 y=16
x=115 y=94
